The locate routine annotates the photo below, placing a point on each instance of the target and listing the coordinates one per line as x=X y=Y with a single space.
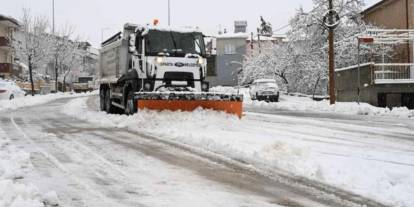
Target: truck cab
x=169 y=59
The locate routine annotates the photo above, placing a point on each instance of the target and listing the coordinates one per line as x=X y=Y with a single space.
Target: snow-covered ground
x=296 y=103
x=38 y=99
x=14 y=164
x=372 y=160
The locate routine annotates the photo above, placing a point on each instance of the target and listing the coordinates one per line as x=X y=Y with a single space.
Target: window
x=229 y=49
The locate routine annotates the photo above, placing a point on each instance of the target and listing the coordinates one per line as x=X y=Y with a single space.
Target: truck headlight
x=159 y=60
x=200 y=60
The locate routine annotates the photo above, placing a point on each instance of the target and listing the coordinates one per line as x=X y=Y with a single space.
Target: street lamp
x=169 y=13
x=53 y=16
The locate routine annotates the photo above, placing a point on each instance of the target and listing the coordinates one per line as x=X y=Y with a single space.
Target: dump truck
x=156 y=68
x=84 y=84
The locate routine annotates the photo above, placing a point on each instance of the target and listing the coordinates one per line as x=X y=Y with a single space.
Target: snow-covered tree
x=34 y=47
x=265 y=28
x=301 y=63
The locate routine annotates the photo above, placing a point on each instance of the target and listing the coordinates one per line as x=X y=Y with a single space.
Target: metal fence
x=394 y=71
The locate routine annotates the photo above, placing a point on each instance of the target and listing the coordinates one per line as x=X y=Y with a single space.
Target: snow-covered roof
x=94 y=51
x=263 y=80
x=352 y=67
x=232 y=35
x=11 y=22
x=172 y=29
x=266 y=38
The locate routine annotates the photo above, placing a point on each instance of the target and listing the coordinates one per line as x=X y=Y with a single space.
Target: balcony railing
x=4 y=42
x=5 y=67
x=394 y=73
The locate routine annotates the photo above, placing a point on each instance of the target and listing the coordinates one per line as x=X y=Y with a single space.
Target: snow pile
x=38 y=99
x=368 y=164
x=232 y=90
x=299 y=102
x=210 y=130
x=352 y=108
x=14 y=163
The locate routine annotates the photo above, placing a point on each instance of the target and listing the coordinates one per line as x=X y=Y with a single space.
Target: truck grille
x=179 y=76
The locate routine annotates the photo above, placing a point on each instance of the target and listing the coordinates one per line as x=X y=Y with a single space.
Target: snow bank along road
x=90 y=165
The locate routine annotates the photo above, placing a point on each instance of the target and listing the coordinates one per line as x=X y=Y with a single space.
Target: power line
x=287 y=25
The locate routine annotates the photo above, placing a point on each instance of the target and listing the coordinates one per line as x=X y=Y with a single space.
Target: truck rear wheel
x=109 y=108
x=102 y=103
x=130 y=107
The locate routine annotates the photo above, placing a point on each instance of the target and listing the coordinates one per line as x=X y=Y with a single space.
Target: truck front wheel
x=130 y=107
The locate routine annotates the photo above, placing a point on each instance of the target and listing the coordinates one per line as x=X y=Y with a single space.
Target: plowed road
x=92 y=166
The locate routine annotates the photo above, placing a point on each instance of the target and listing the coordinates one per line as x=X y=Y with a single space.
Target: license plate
x=179 y=83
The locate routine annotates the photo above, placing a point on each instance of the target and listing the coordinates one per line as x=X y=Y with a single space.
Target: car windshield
x=175 y=44
x=3 y=84
x=267 y=85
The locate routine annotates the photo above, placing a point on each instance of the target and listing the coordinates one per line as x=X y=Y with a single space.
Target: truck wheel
x=109 y=108
x=130 y=107
x=102 y=99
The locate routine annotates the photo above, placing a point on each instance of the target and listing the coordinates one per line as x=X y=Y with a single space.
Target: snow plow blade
x=228 y=103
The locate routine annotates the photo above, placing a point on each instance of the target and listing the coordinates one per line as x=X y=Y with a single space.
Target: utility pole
x=53 y=34
x=53 y=16
x=332 y=95
x=169 y=13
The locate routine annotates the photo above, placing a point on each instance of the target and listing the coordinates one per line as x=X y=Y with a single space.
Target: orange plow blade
x=231 y=104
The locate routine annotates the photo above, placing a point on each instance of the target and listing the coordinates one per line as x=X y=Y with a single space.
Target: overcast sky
x=90 y=16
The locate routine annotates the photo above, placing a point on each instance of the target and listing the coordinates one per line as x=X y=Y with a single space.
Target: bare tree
x=34 y=48
x=72 y=59
x=64 y=52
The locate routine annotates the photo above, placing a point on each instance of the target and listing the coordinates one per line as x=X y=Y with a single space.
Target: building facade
x=384 y=83
x=230 y=53
x=393 y=14
x=378 y=85
x=227 y=52
x=8 y=26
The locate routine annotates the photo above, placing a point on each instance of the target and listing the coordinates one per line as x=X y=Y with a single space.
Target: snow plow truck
x=148 y=67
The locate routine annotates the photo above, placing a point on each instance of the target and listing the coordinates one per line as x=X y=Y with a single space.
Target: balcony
x=4 y=42
x=5 y=67
x=394 y=73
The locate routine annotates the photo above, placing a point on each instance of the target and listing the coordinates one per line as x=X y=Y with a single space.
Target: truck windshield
x=174 y=44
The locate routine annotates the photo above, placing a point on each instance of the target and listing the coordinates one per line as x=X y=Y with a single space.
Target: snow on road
x=38 y=99
x=75 y=163
x=375 y=160
x=15 y=162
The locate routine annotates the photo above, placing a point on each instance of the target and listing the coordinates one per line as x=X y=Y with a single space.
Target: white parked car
x=9 y=90
x=264 y=89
